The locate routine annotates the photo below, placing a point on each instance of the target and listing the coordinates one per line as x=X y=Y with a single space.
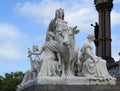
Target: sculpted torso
x=61 y=25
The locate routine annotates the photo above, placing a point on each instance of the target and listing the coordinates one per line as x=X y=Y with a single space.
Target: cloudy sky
x=24 y=23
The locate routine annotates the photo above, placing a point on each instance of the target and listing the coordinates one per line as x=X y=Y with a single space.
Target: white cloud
x=9 y=51
x=11 y=48
x=44 y=11
x=115 y=46
x=40 y=11
x=117 y=1
x=82 y=17
x=115 y=18
x=7 y=31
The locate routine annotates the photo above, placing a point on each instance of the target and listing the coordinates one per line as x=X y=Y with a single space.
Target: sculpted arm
x=90 y=54
x=30 y=55
x=38 y=52
x=59 y=57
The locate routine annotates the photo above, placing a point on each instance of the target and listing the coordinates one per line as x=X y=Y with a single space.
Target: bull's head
x=69 y=35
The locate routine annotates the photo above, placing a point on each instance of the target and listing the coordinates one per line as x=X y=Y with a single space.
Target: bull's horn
x=74 y=27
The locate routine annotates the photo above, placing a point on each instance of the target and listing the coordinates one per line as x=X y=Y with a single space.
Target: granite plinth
x=62 y=83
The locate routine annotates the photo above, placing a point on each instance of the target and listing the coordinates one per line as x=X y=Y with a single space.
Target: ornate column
x=104 y=8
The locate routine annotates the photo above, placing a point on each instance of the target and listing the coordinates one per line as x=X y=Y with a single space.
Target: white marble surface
x=67 y=81
x=59 y=62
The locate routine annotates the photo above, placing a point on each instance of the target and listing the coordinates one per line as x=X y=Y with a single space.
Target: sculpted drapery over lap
x=60 y=56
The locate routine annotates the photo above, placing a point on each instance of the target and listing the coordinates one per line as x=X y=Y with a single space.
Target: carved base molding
x=72 y=88
x=60 y=83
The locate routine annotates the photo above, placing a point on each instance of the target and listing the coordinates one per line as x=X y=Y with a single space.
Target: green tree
x=10 y=81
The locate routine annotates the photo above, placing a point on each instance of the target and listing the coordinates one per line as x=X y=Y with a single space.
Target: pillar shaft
x=104 y=49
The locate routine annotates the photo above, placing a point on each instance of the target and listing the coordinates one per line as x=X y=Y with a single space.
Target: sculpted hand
x=29 y=52
x=94 y=59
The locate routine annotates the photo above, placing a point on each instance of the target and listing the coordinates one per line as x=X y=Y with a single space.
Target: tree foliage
x=9 y=81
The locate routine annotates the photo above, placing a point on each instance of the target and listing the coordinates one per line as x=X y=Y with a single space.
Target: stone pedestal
x=72 y=88
x=68 y=84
